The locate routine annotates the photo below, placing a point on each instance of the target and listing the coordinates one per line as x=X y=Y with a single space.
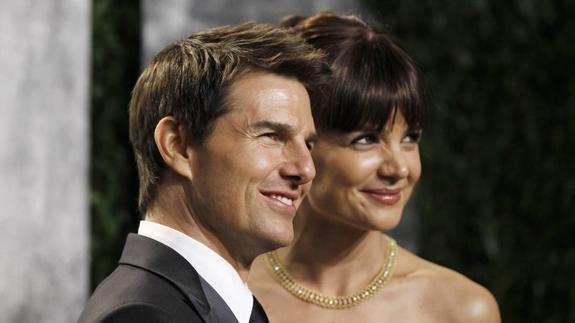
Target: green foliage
x=497 y=196
x=115 y=67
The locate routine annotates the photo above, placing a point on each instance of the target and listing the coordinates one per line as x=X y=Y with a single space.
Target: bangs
x=373 y=81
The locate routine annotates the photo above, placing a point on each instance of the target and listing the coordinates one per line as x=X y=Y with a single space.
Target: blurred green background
x=498 y=188
x=497 y=195
x=113 y=175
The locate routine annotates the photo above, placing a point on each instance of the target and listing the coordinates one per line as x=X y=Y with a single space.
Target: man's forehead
x=275 y=119
x=257 y=83
x=266 y=100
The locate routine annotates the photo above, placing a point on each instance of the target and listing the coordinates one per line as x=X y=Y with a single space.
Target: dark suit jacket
x=153 y=283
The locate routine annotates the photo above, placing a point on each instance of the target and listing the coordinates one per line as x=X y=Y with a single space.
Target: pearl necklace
x=334 y=302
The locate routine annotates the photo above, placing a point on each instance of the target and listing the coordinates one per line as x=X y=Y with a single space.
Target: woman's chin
x=384 y=222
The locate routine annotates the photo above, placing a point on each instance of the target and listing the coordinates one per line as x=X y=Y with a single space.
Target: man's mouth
x=283 y=199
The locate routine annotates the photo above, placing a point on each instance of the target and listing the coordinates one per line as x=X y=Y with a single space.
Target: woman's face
x=365 y=178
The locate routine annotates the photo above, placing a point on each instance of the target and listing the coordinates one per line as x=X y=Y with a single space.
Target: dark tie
x=258 y=313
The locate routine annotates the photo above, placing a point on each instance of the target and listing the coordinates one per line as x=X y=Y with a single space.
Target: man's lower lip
x=387 y=199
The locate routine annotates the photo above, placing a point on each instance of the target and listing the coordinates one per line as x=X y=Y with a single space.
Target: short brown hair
x=373 y=77
x=188 y=81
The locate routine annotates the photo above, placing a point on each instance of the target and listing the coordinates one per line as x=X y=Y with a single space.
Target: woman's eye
x=412 y=137
x=365 y=139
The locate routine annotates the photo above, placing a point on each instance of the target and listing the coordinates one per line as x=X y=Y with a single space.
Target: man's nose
x=299 y=167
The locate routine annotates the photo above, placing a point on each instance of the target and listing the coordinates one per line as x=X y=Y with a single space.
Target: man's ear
x=172 y=141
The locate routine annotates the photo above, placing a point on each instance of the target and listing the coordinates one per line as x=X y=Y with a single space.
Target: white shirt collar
x=212 y=267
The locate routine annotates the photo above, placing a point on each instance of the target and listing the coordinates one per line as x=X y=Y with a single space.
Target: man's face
x=252 y=172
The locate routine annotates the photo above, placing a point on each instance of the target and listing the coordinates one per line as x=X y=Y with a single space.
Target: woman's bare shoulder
x=449 y=292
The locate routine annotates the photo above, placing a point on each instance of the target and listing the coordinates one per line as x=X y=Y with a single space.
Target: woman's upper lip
x=382 y=191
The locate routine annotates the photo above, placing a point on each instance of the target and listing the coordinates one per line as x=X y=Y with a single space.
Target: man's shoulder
x=138 y=312
x=139 y=295
x=130 y=312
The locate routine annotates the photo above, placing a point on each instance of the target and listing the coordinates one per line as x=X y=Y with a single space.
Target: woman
x=341 y=267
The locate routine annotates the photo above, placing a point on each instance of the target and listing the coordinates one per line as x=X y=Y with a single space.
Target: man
x=221 y=128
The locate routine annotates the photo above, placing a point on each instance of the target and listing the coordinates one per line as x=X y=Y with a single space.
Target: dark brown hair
x=373 y=78
x=188 y=81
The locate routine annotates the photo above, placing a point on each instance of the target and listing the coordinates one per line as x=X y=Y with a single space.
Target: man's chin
x=276 y=240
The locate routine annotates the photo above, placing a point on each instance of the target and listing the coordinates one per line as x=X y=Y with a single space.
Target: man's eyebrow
x=281 y=128
x=273 y=125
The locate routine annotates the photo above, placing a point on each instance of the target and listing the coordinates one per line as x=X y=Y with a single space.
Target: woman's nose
x=393 y=165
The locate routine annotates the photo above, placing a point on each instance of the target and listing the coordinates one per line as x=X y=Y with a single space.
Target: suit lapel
x=165 y=262
x=258 y=313
x=153 y=256
x=220 y=311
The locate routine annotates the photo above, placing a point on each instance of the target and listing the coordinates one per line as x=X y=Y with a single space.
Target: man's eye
x=412 y=137
x=271 y=135
x=309 y=145
x=365 y=139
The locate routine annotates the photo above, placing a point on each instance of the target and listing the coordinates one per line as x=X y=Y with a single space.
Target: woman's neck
x=332 y=257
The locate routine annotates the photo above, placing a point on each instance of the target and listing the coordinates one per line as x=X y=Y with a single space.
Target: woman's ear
x=172 y=141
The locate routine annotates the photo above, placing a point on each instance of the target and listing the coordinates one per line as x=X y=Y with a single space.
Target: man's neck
x=189 y=227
